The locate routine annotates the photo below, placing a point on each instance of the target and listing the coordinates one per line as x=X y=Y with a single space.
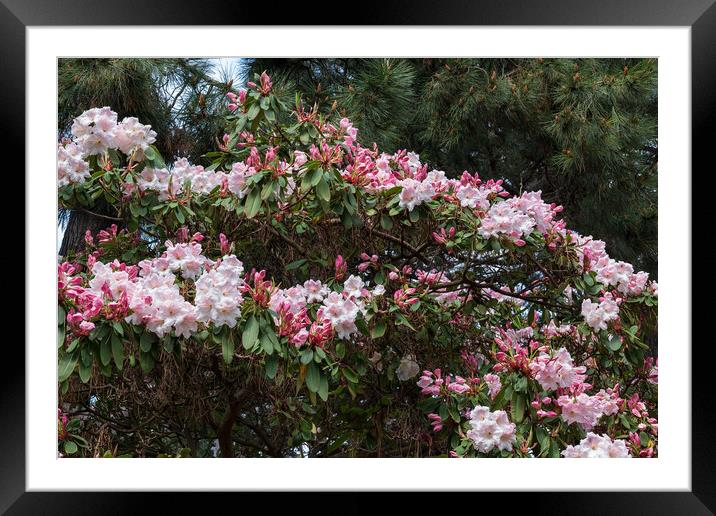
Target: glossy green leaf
x=117 y=351
x=253 y=203
x=66 y=365
x=227 y=348
x=313 y=377
x=322 y=190
x=271 y=366
x=105 y=352
x=251 y=332
x=378 y=330
x=518 y=407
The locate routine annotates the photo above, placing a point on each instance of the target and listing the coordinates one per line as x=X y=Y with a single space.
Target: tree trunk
x=80 y=221
x=225 y=433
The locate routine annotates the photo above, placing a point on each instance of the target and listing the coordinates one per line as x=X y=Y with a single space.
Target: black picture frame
x=700 y=15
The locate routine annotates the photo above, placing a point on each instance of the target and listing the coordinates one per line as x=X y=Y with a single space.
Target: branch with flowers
x=319 y=277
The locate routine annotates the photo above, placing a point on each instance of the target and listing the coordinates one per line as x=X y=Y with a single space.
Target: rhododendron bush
x=305 y=293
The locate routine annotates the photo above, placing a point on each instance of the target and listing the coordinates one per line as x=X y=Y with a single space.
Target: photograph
x=357 y=257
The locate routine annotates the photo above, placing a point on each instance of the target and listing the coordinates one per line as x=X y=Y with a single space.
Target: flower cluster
x=170 y=183
x=341 y=311
x=557 y=370
x=597 y=315
x=96 y=130
x=153 y=297
x=149 y=294
x=490 y=430
x=218 y=293
x=86 y=305
x=593 y=255
x=494 y=384
x=586 y=410
x=597 y=446
x=433 y=383
x=71 y=165
x=337 y=311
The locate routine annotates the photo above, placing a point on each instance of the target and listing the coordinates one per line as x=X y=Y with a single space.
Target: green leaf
x=146 y=361
x=306 y=356
x=518 y=407
x=554 y=450
x=73 y=345
x=66 y=366
x=267 y=189
x=150 y=153
x=168 y=343
x=520 y=384
x=401 y=320
x=350 y=375
x=312 y=178
x=378 y=330
x=61 y=315
x=386 y=222
x=443 y=412
x=454 y=414
x=85 y=372
x=253 y=111
x=253 y=203
x=614 y=343
x=117 y=351
x=323 y=388
x=322 y=190
x=105 y=352
x=543 y=439
x=227 y=347
x=118 y=327
x=60 y=335
x=265 y=102
x=135 y=210
x=70 y=447
x=146 y=341
x=313 y=377
x=346 y=219
x=266 y=343
x=251 y=332
x=240 y=124
x=296 y=264
x=379 y=278
x=271 y=366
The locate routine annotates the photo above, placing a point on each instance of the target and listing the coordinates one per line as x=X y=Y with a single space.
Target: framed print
x=434 y=252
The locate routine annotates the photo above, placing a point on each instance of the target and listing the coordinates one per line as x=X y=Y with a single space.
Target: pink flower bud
x=224 y=244
x=341 y=267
